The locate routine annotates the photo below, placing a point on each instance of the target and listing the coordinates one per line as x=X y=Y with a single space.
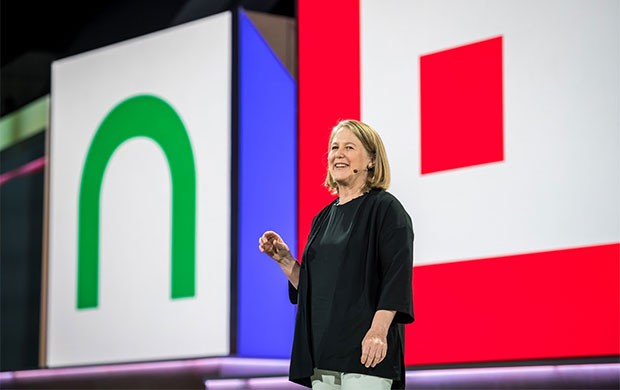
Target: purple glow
x=252 y=373
x=500 y=377
x=229 y=365
x=270 y=382
x=225 y=384
x=257 y=367
x=252 y=383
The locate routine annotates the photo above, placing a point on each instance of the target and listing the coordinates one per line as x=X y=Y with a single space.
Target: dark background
x=33 y=35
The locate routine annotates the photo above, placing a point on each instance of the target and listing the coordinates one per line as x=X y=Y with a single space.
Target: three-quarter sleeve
x=396 y=262
x=292 y=293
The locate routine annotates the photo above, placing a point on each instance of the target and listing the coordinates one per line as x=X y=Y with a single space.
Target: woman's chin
x=344 y=181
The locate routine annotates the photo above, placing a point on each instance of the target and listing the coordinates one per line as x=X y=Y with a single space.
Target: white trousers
x=333 y=380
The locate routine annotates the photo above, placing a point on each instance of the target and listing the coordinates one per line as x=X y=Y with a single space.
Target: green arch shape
x=151 y=117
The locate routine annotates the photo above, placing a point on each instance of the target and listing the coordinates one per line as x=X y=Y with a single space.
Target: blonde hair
x=379 y=173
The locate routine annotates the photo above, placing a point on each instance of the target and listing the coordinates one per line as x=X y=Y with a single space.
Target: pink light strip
x=224 y=364
x=252 y=383
x=441 y=377
x=26 y=169
x=276 y=370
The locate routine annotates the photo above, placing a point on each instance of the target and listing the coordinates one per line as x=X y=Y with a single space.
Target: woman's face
x=348 y=160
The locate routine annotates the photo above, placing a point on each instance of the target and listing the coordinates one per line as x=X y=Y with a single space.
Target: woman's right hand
x=274 y=246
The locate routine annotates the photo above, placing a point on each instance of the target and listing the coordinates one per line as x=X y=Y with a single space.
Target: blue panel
x=267 y=194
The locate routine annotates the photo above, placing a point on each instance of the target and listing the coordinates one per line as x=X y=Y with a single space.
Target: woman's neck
x=347 y=194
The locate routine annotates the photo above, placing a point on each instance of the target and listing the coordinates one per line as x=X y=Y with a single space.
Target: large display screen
x=501 y=123
x=139 y=199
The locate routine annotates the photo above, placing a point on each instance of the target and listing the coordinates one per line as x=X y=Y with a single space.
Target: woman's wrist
x=286 y=259
x=291 y=268
x=287 y=263
x=382 y=320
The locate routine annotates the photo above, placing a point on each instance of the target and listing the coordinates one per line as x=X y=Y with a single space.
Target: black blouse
x=374 y=272
x=325 y=254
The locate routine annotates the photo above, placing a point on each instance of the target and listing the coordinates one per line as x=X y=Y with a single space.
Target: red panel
x=461 y=106
x=329 y=90
x=555 y=304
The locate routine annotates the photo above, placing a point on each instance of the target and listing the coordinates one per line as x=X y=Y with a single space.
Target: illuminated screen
x=501 y=125
x=139 y=199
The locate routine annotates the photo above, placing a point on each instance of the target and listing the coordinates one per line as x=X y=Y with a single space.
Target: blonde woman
x=353 y=286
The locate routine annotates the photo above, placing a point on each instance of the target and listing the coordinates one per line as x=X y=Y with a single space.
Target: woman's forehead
x=344 y=134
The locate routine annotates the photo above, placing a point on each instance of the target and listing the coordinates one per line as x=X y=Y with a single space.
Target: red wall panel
x=555 y=304
x=329 y=90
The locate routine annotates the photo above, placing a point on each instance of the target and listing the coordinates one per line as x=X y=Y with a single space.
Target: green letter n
x=139 y=116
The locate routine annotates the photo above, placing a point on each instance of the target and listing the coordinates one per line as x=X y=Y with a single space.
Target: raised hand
x=274 y=246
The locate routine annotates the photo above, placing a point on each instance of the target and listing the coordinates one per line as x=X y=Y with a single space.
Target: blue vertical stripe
x=267 y=194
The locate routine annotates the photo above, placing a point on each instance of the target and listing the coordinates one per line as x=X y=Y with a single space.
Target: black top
x=374 y=273
x=325 y=254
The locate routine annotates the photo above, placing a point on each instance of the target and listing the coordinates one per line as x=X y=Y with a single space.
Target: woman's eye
x=349 y=147
x=334 y=147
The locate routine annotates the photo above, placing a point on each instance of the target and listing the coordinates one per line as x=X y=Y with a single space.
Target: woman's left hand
x=374 y=347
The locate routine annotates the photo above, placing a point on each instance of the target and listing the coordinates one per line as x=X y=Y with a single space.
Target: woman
x=353 y=287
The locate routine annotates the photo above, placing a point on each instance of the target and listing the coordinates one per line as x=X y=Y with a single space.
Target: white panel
x=559 y=185
x=188 y=66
